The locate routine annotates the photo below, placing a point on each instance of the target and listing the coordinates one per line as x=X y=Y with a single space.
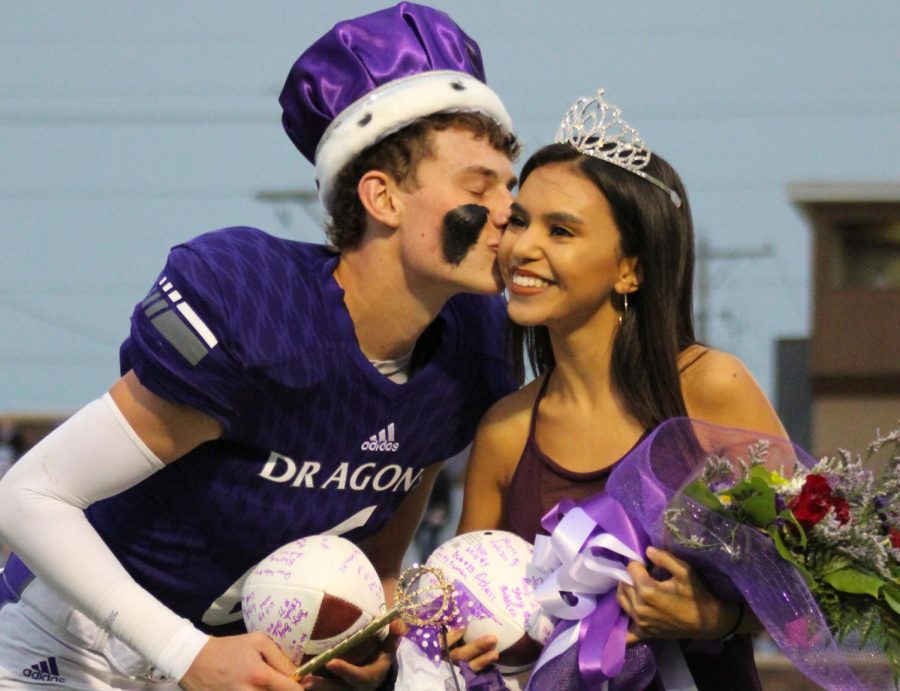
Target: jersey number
x=227 y=607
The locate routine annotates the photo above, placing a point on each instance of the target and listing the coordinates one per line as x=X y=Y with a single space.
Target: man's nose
x=501 y=209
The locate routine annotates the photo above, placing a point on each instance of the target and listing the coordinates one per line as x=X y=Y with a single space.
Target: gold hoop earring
x=624 y=307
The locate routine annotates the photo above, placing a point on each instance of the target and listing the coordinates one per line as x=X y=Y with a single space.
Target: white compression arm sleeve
x=93 y=455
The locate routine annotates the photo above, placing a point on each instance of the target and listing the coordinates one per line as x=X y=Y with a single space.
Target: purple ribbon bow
x=590 y=545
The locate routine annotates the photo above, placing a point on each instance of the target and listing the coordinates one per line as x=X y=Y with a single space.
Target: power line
x=705 y=255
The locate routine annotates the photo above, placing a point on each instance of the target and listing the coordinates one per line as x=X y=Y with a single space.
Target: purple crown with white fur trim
x=371 y=76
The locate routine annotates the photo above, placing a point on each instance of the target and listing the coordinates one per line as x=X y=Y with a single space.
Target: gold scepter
x=412 y=597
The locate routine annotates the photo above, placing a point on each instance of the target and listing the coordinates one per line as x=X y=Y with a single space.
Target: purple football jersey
x=252 y=330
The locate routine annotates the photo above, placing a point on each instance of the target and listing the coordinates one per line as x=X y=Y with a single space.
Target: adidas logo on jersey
x=45 y=670
x=383 y=441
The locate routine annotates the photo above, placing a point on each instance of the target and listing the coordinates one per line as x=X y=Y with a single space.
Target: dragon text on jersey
x=383 y=441
x=308 y=474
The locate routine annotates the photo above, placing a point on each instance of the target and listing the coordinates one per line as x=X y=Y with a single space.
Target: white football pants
x=45 y=642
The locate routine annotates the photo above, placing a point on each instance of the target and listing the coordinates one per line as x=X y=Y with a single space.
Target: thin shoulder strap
x=537 y=402
x=692 y=362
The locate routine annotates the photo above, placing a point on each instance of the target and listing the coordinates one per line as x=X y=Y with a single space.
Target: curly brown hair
x=399 y=155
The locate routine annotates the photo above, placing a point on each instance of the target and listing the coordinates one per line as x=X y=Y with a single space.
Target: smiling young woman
x=598 y=262
x=561 y=254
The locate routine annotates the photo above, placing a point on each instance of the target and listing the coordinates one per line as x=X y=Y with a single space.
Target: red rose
x=841 y=509
x=895 y=537
x=813 y=502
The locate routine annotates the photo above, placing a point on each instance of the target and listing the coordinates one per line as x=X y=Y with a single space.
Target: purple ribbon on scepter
x=427 y=636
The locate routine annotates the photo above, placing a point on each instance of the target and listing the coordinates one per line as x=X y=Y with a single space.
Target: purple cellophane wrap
x=648 y=481
x=488 y=679
x=428 y=637
x=361 y=54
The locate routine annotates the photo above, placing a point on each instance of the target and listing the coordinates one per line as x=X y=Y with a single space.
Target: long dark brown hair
x=659 y=322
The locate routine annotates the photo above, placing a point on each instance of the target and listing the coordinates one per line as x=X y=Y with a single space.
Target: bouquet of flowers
x=812 y=547
x=836 y=523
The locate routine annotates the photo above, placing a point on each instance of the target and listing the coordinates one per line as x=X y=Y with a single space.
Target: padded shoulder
x=271 y=288
x=227 y=303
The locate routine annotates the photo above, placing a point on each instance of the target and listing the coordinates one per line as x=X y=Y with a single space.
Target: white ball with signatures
x=310 y=594
x=493 y=566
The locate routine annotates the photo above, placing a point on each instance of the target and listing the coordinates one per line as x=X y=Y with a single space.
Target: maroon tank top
x=539 y=483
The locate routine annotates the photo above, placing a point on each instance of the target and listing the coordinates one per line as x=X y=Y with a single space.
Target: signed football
x=310 y=594
x=493 y=568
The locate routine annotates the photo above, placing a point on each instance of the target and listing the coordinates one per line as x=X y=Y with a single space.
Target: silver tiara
x=596 y=128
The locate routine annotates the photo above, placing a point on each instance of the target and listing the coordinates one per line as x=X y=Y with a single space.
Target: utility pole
x=706 y=255
x=282 y=199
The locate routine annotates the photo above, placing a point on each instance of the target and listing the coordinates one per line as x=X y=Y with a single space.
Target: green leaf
x=703 y=495
x=759 y=472
x=760 y=508
x=740 y=490
x=892 y=596
x=854 y=581
x=756 y=492
x=782 y=548
x=789 y=516
x=786 y=553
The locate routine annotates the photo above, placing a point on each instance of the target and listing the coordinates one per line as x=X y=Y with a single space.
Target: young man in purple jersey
x=273 y=389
